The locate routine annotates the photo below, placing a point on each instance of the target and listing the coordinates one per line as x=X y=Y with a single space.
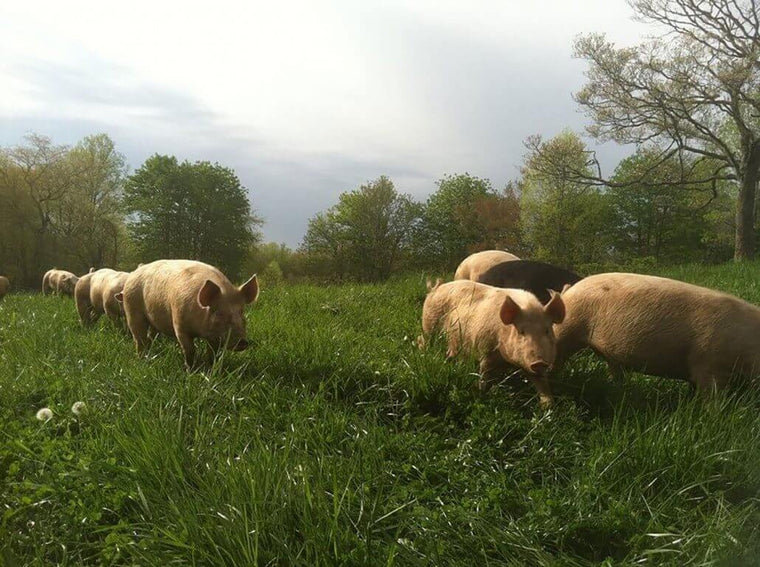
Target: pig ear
x=92 y=269
x=555 y=309
x=208 y=293
x=509 y=311
x=119 y=297
x=250 y=289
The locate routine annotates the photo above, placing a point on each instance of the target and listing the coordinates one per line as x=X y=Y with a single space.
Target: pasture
x=334 y=441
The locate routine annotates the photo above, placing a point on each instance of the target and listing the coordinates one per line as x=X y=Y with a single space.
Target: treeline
x=77 y=207
x=646 y=213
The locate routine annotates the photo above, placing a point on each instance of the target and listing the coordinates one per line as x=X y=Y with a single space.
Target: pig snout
x=539 y=368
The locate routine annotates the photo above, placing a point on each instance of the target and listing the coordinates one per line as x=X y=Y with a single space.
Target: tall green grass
x=333 y=440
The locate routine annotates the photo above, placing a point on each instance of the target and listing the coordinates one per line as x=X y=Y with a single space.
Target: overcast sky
x=304 y=100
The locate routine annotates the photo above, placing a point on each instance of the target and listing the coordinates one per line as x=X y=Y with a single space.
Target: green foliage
x=189 y=210
x=692 y=86
x=464 y=215
x=60 y=206
x=272 y=274
x=654 y=218
x=366 y=235
x=564 y=221
x=290 y=263
x=333 y=440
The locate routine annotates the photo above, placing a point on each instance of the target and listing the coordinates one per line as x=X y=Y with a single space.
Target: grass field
x=333 y=441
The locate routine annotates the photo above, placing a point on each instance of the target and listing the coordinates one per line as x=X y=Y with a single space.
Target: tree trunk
x=744 y=248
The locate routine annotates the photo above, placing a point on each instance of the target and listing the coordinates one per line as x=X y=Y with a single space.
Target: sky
x=305 y=99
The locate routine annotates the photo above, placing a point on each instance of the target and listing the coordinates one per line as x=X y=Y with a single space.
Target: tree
x=326 y=245
x=35 y=178
x=650 y=218
x=694 y=89
x=89 y=217
x=262 y=256
x=189 y=210
x=565 y=221
x=366 y=233
x=60 y=206
x=464 y=215
x=498 y=219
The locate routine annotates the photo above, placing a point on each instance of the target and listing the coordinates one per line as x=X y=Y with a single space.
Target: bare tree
x=694 y=89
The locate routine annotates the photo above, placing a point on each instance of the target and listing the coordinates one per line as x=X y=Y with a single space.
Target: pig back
x=167 y=291
x=656 y=325
x=532 y=276
x=98 y=281
x=471 y=311
x=475 y=264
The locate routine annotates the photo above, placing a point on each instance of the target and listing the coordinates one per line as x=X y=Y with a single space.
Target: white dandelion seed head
x=78 y=408
x=45 y=414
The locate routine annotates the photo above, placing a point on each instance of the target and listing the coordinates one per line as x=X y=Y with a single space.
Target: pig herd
x=184 y=299
x=647 y=324
x=507 y=312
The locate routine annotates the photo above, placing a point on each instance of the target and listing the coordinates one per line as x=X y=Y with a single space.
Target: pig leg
x=214 y=351
x=492 y=367
x=421 y=343
x=616 y=372
x=188 y=348
x=541 y=384
x=138 y=326
x=85 y=313
x=706 y=382
x=114 y=317
x=453 y=340
x=92 y=316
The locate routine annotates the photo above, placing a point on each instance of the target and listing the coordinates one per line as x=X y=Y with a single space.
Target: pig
x=661 y=327
x=59 y=282
x=95 y=294
x=188 y=300
x=501 y=326
x=5 y=285
x=536 y=277
x=475 y=264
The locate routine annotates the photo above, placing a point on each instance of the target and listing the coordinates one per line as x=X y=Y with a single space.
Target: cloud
x=303 y=100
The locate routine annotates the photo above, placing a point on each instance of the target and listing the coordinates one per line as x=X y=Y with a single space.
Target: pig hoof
x=545 y=402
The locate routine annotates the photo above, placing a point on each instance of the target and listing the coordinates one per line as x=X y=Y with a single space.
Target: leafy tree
x=652 y=219
x=327 y=245
x=366 y=234
x=694 y=89
x=189 y=210
x=59 y=206
x=35 y=178
x=272 y=275
x=498 y=217
x=89 y=217
x=564 y=221
x=289 y=262
x=465 y=215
